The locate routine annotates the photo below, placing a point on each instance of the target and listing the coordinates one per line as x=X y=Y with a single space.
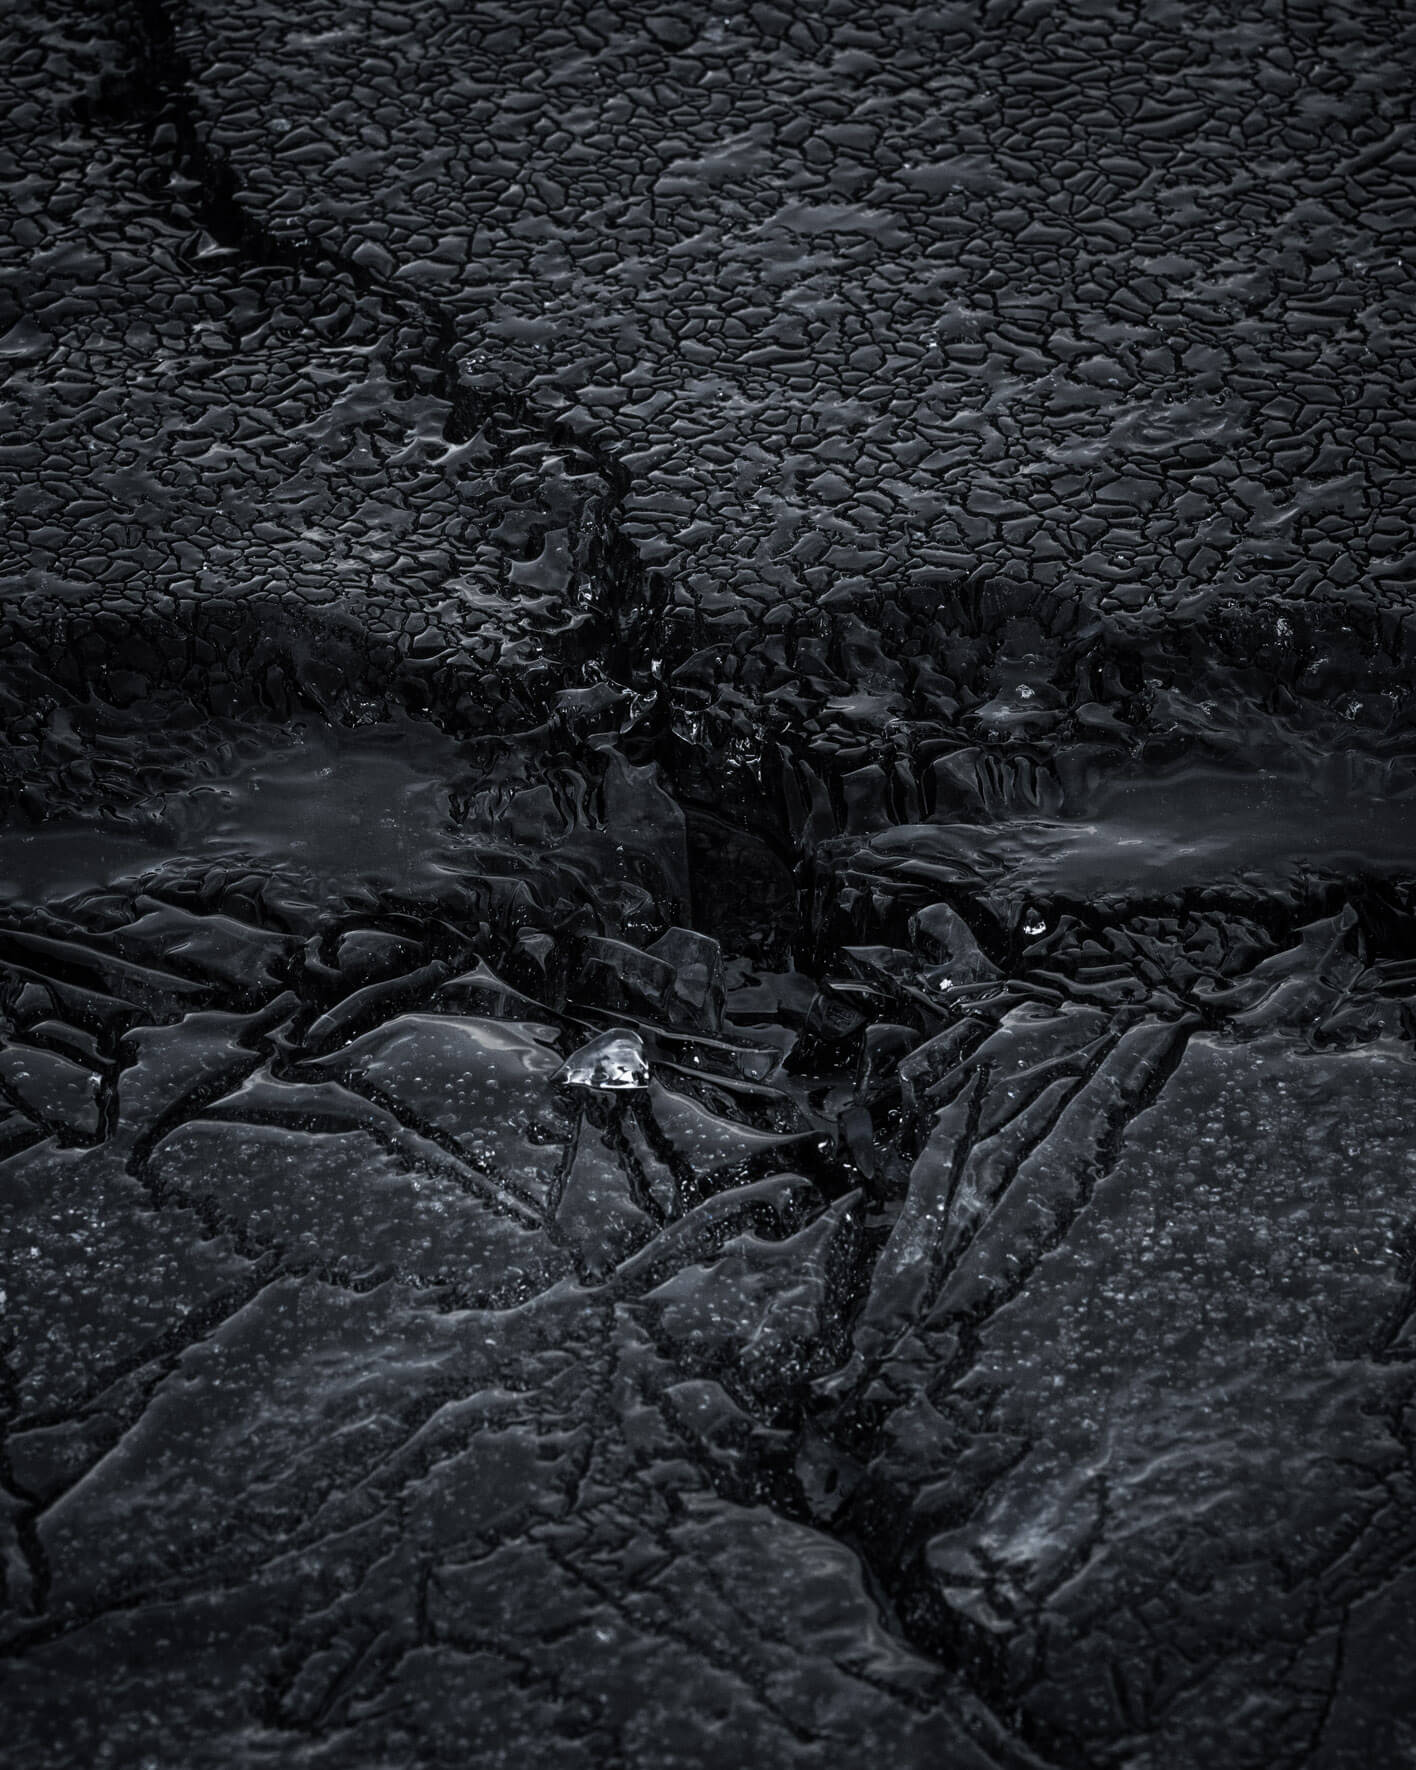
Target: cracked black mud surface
x=707 y=886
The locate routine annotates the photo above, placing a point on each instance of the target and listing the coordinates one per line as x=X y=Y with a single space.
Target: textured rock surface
x=862 y=559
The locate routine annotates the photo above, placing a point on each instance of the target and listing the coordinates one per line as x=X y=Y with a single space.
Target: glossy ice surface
x=707 y=885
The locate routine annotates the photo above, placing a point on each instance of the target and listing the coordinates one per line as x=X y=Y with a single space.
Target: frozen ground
x=708 y=886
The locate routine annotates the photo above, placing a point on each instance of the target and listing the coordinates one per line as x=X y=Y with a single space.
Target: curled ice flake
x=614 y=1060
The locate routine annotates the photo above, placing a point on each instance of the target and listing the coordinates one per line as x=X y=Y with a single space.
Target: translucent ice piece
x=613 y=1060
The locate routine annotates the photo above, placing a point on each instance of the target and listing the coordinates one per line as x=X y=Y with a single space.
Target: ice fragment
x=614 y=1060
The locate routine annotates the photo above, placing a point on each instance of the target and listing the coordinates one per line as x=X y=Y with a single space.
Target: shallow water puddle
x=369 y=803
x=1148 y=834
x=1195 y=825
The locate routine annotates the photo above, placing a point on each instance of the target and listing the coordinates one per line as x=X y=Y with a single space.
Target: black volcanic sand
x=869 y=549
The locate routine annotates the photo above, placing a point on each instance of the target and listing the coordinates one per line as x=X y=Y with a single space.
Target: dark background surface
x=871 y=549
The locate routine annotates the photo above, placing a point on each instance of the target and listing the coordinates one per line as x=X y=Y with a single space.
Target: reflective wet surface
x=707 y=887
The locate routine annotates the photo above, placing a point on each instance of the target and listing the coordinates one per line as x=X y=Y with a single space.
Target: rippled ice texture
x=707 y=885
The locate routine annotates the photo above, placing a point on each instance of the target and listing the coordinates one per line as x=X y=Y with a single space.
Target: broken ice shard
x=614 y=1060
